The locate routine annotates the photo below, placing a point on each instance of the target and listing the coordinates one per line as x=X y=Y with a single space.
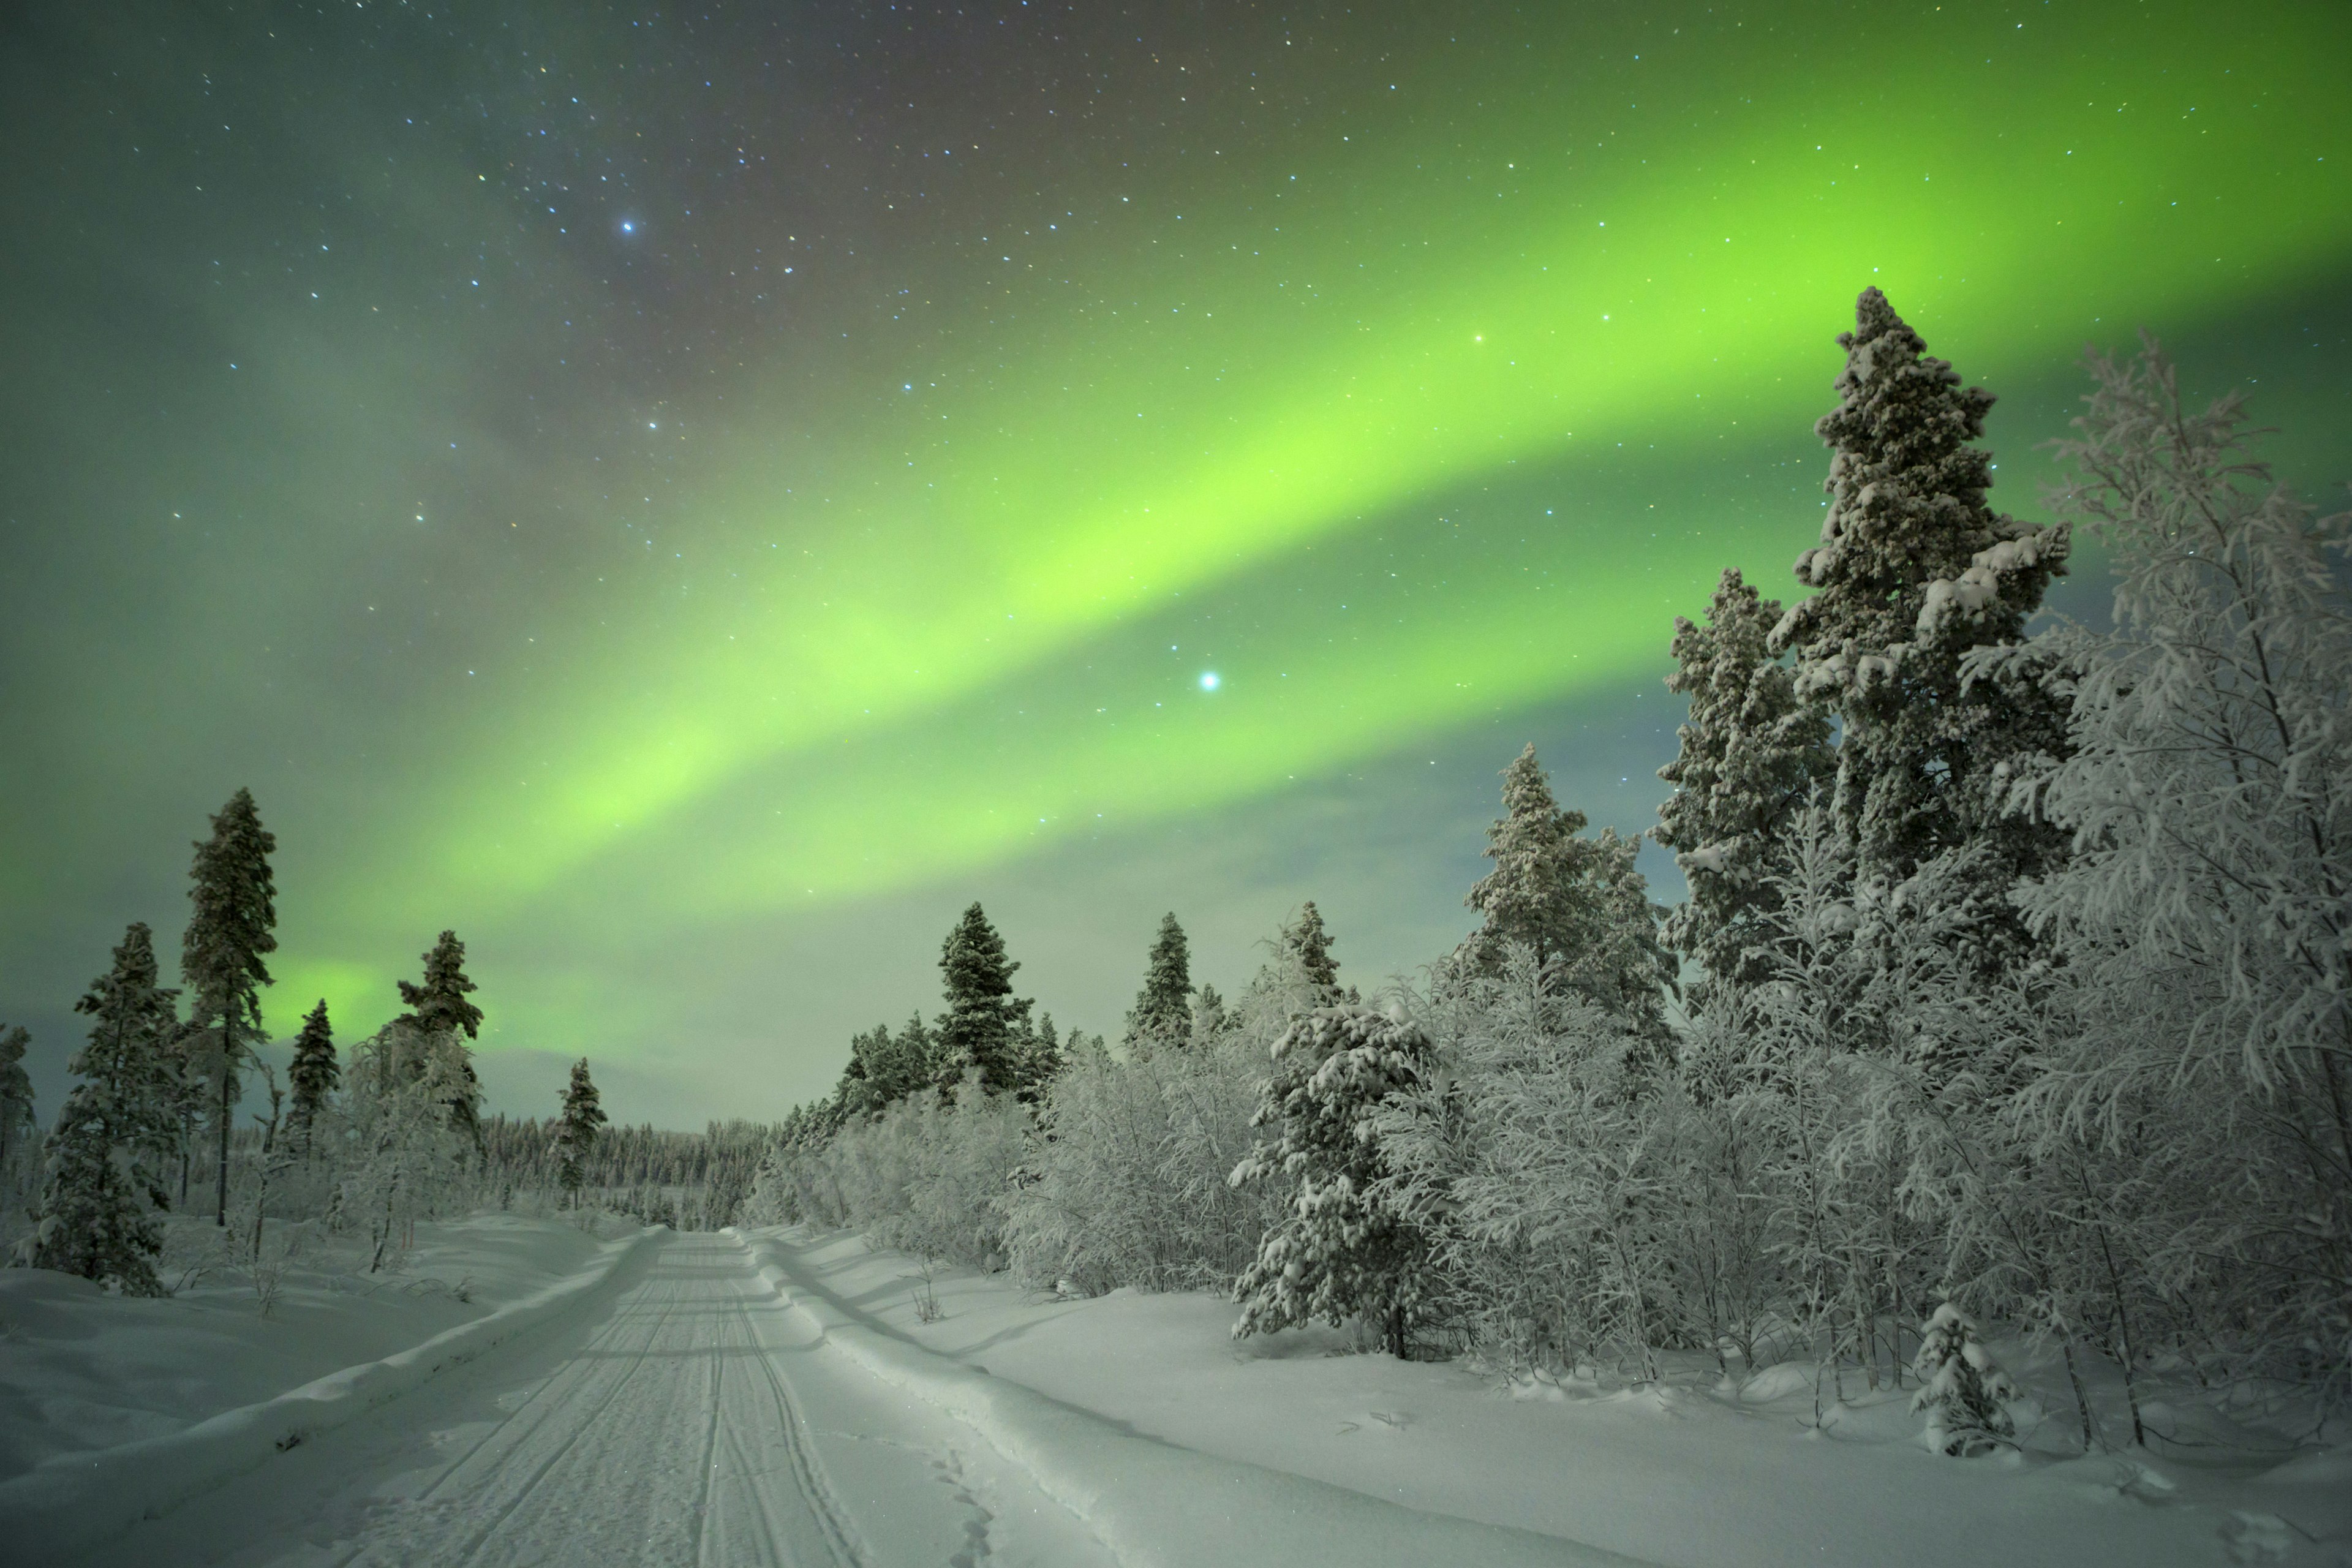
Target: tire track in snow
x=808 y=1472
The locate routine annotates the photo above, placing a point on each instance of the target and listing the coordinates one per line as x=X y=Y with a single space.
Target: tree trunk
x=220 y=1216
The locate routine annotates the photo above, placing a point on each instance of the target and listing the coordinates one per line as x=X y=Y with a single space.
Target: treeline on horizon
x=358 y=1144
x=2015 y=985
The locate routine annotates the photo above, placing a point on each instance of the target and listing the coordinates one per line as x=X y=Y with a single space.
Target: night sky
x=691 y=498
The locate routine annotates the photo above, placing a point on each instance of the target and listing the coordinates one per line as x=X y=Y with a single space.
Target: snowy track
x=695 y=1420
x=669 y=1436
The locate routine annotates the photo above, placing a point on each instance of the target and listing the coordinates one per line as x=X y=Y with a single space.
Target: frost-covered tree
x=1750 y=754
x=1343 y=1251
x=1961 y=1387
x=116 y=1133
x=575 y=1127
x=440 y=1012
x=406 y=1148
x=230 y=929
x=1577 y=902
x=977 y=1032
x=1129 y=1185
x=16 y=1122
x=1544 y=1180
x=313 y=1074
x=2207 y=910
x=1914 y=570
x=1162 y=1014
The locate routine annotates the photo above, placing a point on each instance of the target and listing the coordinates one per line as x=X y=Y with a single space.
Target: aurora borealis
x=691 y=500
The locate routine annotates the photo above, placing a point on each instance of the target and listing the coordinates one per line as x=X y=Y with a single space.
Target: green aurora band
x=971 y=564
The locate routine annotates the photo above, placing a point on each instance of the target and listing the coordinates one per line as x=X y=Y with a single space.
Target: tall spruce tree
x=576 y=1129
x=116 y=1134
x=438 y=1007
x=1162 y=1014
x=1914 y=570
x=1751 y=754
x=1578 y=902
x=230 y=928
x=313 y=1073
x=976 y=1033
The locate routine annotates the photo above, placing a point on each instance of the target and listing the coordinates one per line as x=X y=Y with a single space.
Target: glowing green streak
x=1656 y=287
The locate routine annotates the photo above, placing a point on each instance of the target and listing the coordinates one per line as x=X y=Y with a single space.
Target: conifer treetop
x=1910 y=543
x=1163 y=1010
x=439 y=1003
x=1913 y=572
x=1307 y=945
x=233 y=893
x=583 y=1111
x=976 y=1033
x=314 y=1070
x=1568 y=898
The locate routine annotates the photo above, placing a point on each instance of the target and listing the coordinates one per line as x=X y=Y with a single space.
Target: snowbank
x=78 y=1495
x=1698 y=1473
x=1156 y=1505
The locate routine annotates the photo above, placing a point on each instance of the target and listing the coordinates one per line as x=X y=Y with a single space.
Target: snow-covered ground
x=780 y=1397
x=82 y=1371
x=1695 y=1474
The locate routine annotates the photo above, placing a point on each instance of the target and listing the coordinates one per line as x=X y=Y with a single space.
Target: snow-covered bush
x=923 y=1177
x=1544 y=1169
x=1961 y=1387
x=1128 y=1185
x=405 y=1155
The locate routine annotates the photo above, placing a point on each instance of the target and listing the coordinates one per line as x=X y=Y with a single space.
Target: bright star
x=1208 y=681
x=628 y=227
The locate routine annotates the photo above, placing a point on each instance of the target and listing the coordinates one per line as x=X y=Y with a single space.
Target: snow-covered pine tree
x=1913 y=570
x=438 y=1007
x=229 y=931
x=576 y=1129
x=313 y=1073
x=118 y=1128
x=1162 y=1014
x=1041 y=1059
x=1575 y=902
x=856 y=1091
x=1306 y=947
x=1961 y=1387
x=16 y=1124
x=1343 y=1251
x=1750 y=753
x=976 y=1034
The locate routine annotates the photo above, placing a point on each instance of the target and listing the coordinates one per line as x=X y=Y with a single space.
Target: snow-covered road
x=692 y=1418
